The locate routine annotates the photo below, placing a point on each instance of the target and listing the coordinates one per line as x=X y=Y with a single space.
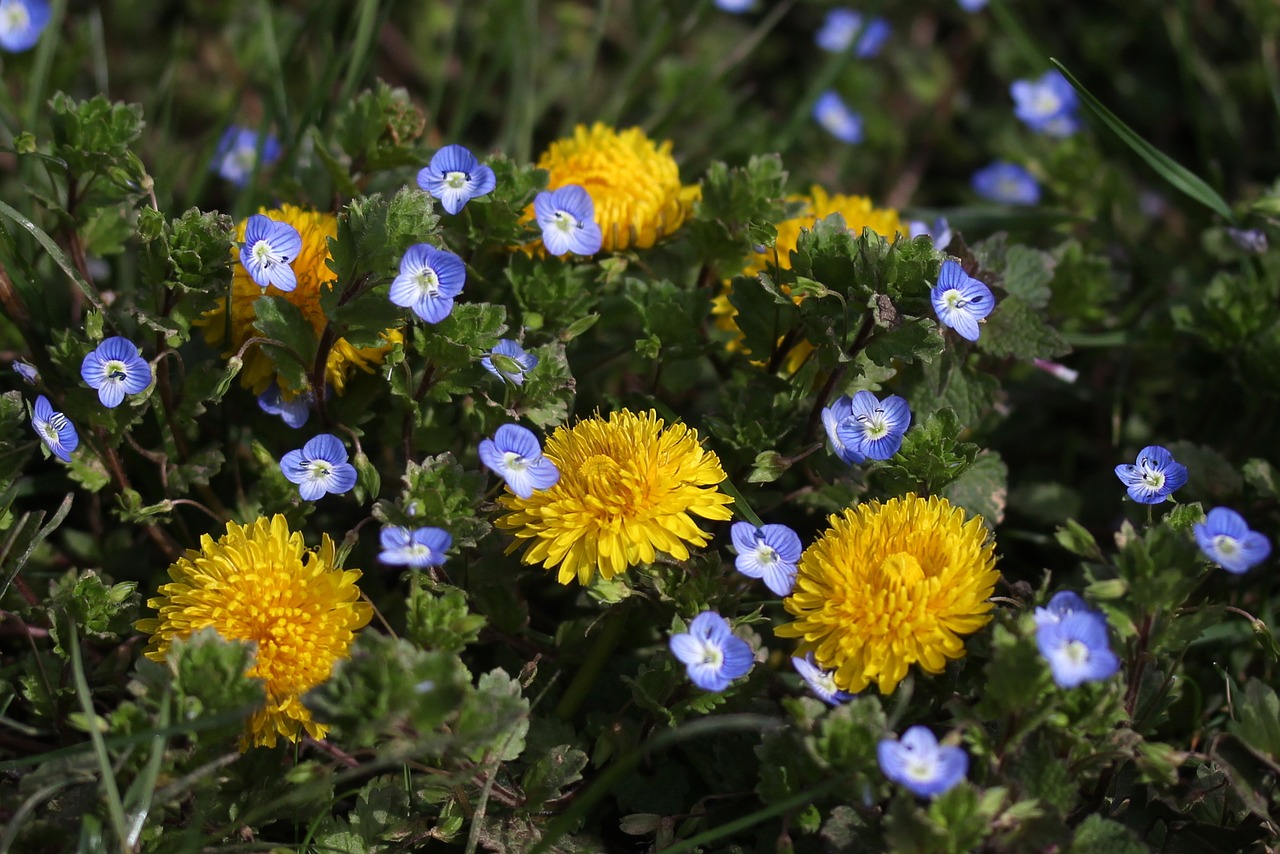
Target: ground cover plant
x=639 y=425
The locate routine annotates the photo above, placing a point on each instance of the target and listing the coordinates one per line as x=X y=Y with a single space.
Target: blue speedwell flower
x=961 y=300
x=918 y=762
x=1006 y=182
x=320 y=467
x=237 y=153
x=1077 y=648
x=115 y=369
x=1226 y=540
x=509 y=361
x=1047 y=105
x=567 y=217
x=737 y=7
x=939 y=232
x=845 y=28
x=1156 y=475
x=973 y=5
x=429 y=280
x=515 y=455
x=268 y=252
x=713 y=655
x=821 y=682
x=834 y=417
x=770 y=552
x=293 y=412
x=875 y=427
x=28 y=372
x=832 y=113
x=1063 y=604
x=418 y=547
x=21 y=22
x=455 y=177
x=54 y=429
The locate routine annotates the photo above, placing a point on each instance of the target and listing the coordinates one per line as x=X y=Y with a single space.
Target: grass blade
x=56 y=253
x=114 y=806
x=1177 y=175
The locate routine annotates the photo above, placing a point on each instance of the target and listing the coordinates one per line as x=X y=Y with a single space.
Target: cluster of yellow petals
x=260 y=583
x=890 y=585
x=858 y=213
x=628 y=490
x=633 y=182
x=313 y=274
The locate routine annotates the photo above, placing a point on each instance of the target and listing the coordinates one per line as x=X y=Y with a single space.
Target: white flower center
x=16 y=17
x=428 y=282
x=1153 y=479
x=264 y=254
x=954 y=299
x=114 y=371
x=1225 y=545
x=921 y=769
x=1075 y=652
x=320 y=469
x=416 y=550
x=1045 y=102
x=712 y=655
x=455 y=180
x=48 y=432
x=514 y=462
x=766 y=553
x=564 y=221
x=874 y=426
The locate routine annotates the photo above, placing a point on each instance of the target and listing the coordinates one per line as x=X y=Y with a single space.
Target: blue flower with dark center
x=836 y=417
x=115 y=369
x=429 y=281
x=711 y=653
x=567 y=217
x=515 y=455
x=509 y=361
x=821 y=682
x=1156 y=475
x=832 y=113
x=28 y=372
x=875 y=427
x=1047 y=105
x=54 y=429
x=293 y=412
x=961 y=300
x=237 y=153
x=21 y=23
x=455 y=177
x=418 y=547
x=1225 y=539
x=268 y=252
x=939 y=232
x=770 y=552
x=1077 y=648
x=1006 y=182
x=919 y=763
x=845 y=28
x=1063 y=604
x=320 y=467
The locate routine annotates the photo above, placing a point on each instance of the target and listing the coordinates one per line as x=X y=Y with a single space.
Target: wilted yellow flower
x=634 y=184
x=260 y=583
x=628 y=489
x=891 y=585
x=858 y=213
x=312 y=274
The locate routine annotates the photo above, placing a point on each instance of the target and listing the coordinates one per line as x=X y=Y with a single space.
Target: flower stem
x=598 y=656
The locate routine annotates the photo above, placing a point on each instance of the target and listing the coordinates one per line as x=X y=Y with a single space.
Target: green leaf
x=1259 y=718
x=551 y=774
x=1178 y=176
x=443 y=621
x=983 y=490
x=283 y=321
x=1027 y=273
x=1016 y=330
x=1097 y=834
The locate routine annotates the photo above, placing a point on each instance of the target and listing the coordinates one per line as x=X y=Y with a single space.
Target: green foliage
x=441 y=621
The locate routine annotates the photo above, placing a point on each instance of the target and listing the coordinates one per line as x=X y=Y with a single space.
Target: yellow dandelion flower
x=891 y=585
x=634 y=183
x=313 y=274
x=858 y=213
x=628 y=489
x=260 y=583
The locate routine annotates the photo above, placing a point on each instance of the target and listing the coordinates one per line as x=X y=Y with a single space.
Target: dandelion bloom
x=891 y=585
x=259 y=583
x=858 y=213
x=628 y=489
x=313 y=277
x=634 y=183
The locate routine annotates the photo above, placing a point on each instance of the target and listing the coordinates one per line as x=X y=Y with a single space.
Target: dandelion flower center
x=260 y=584
x=629 y=488
x=891 y=585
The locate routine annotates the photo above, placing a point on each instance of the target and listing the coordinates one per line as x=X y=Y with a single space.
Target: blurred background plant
x=487 y=707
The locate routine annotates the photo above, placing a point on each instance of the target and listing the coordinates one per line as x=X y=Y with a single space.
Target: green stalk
x=586 y=676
